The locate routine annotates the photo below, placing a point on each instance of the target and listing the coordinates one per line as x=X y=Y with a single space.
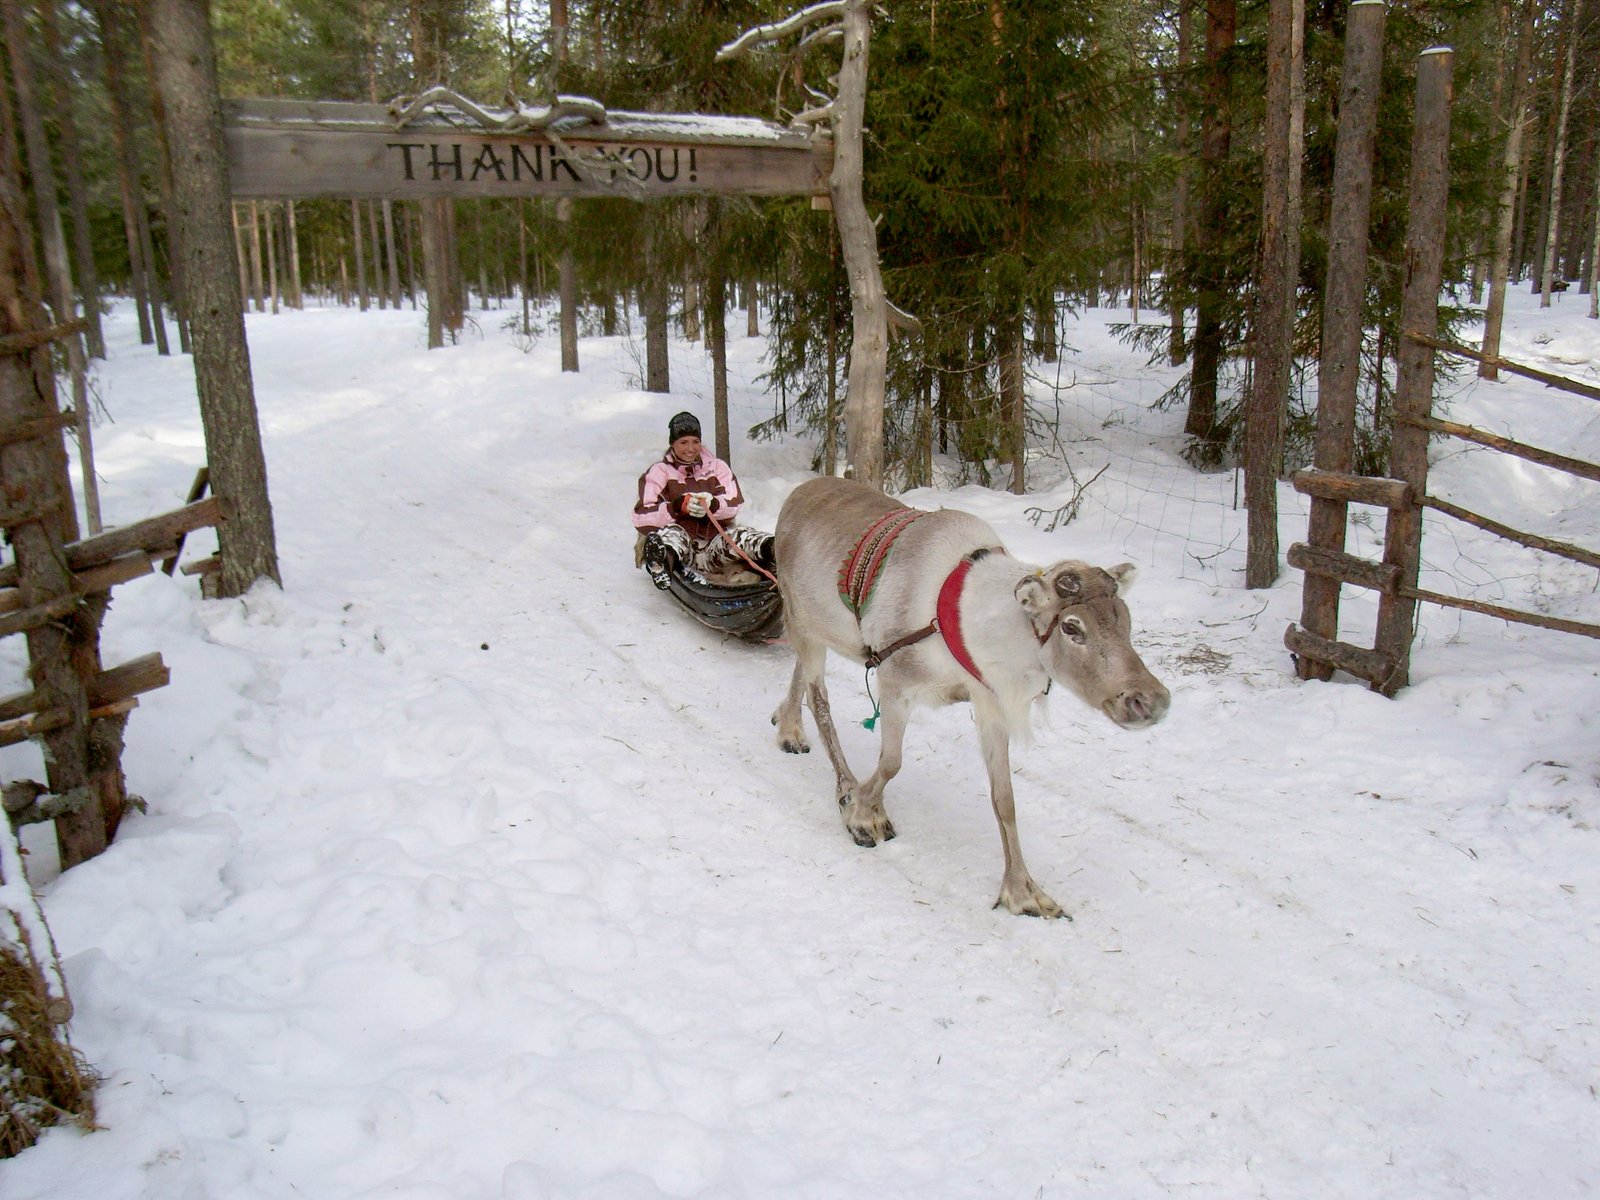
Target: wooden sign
x=280 y=149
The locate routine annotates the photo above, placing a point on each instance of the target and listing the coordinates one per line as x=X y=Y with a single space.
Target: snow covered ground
x=471 y=869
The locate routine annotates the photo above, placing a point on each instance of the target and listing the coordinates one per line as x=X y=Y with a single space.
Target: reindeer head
x=1085 y=640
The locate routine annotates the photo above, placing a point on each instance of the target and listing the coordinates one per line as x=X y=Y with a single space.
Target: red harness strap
x=948 y=618
x=946 y=621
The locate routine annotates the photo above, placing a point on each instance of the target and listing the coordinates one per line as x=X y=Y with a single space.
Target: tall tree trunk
x=830 y=435
x=270 y=221
x=1573 y=22
x=428 y=63
x=1178 y=239
x=391 y=254
x=1340 y=369
x=241 y=255
x=717 y=339
x=522 y=264
x=692 y=215
x=377 y=255
x=1594 y=253
x=1276 y=305
x=358 y=240
x=158 y=288
x=1511 y=178
x=1426 y=205
x=179 y=291
x=483 y=256
x=410 y=224
x=83 y=264
x=1539 y=213
x=569 y=287
x=568 y=283
x=1014 y=400
x=114 y=48
x=858 y=238
x=258 y=287
x=657 y=367
x=1210 y=232
x=291 y=238
x=1482 y=246
x=186 y=77
x=53 y=241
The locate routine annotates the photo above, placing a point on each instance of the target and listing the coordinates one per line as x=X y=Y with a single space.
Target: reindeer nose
x=1140 y=707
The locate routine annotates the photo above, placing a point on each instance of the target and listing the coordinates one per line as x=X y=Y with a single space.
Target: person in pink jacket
x=683 y=498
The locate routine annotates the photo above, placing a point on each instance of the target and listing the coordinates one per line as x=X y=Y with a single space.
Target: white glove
x=697 y=504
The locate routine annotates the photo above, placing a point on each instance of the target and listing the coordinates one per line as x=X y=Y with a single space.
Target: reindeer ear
x=1035 y=599
x=1124 y=574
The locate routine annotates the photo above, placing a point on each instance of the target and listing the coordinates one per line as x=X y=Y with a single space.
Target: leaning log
x=133 y=678
x=87 y=583
x=149 y=536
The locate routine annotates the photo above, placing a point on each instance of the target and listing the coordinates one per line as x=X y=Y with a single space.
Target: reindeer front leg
x=864 y=816
x=1018 y=892
x=847 y=790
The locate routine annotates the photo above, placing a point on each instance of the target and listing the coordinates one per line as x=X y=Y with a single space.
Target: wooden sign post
x=280 y=149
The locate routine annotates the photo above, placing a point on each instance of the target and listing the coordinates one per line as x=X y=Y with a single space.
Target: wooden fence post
x=1340 y=369
x=1419 y=314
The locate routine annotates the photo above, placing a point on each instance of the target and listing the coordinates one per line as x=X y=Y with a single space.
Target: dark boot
x=658 y=562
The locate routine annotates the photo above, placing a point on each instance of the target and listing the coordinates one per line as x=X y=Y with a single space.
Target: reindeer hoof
x=867 y=836
x=865 y=830
x=1030 y=901
x=794 y=746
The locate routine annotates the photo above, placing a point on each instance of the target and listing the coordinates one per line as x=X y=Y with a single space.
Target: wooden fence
x=55 y=592
x=1314 y=642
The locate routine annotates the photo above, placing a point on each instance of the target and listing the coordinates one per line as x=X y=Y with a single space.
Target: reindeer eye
x=1073 y=628
x=1068 y=585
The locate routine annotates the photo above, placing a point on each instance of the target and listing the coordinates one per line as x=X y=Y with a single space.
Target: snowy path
x=472 y=869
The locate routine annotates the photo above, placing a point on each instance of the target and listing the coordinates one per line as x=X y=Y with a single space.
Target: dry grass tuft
x=43 y=1080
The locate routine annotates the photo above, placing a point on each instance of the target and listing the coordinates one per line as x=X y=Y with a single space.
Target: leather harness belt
x=946 y=621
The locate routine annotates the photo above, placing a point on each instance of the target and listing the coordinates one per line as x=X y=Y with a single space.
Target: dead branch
x=1068 y=511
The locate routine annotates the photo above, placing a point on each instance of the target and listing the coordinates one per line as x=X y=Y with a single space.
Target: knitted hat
x=685 y=424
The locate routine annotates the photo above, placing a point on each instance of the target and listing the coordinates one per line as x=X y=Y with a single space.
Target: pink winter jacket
x=663 y=487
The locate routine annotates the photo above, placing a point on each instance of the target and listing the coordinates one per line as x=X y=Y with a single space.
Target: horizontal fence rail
x=1547 y=378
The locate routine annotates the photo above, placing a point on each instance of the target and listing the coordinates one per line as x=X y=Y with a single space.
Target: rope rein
x=739 y=550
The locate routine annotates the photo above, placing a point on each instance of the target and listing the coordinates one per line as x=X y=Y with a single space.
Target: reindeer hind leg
x=787 y=717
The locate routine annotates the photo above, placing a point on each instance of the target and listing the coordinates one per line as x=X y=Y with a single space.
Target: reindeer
x=933 y=600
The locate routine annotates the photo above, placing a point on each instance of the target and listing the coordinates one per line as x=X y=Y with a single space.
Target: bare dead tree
x=849 y=21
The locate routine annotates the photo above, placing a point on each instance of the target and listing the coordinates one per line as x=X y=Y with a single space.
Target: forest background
x=1021 y=157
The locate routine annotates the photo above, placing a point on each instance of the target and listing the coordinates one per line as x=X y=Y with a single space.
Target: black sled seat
x=752 y=611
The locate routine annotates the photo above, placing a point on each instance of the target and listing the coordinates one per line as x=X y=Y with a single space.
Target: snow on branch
x=766 y=35
x=568 y=112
